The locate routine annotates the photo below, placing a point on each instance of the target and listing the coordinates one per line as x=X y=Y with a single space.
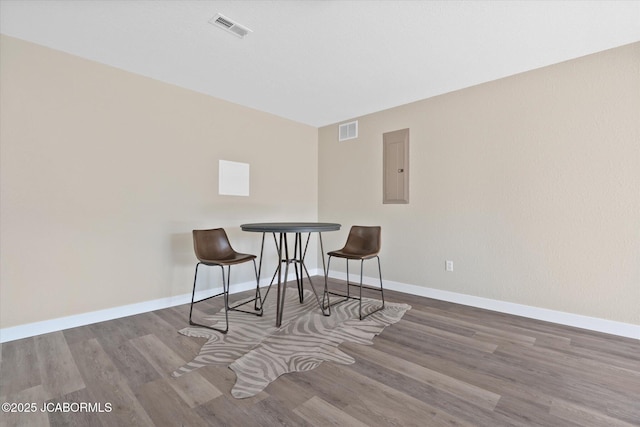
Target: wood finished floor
x=442 y=364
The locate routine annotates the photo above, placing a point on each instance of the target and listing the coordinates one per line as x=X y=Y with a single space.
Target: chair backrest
x=211 y=245
x=364 y=240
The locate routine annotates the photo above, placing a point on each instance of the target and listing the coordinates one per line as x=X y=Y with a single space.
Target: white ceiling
x=322 y=62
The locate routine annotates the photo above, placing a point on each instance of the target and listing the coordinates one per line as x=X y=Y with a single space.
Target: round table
x=282 y=228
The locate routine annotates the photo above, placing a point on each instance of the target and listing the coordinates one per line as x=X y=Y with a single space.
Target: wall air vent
x=348 y=131
x=229 y=25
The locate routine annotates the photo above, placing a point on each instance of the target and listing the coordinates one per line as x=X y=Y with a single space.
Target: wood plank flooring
x=442 y=364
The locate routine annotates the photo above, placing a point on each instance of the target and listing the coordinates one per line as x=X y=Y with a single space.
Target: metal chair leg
x=380 y=274
x=225 y=293
x=256 y=295
x=360 y=298
x=381 y=291
x=257 y=300
x=327 y=292
x=349 y=284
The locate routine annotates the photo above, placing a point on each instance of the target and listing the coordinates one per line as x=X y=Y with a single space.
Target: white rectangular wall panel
x=233 y=178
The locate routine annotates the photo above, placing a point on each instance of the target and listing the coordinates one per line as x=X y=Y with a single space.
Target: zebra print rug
x=258 y=352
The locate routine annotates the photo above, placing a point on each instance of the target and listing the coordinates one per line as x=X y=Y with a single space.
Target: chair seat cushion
x=234 y=258
x=341 y=253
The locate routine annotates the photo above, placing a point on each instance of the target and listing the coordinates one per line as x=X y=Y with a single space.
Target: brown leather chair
x=363 y=243
x=212 y=248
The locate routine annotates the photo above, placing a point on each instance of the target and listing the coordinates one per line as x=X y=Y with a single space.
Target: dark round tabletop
x=290 y=227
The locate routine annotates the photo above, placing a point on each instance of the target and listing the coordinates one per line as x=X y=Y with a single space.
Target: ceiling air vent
x=229 y=25
x=348 y=131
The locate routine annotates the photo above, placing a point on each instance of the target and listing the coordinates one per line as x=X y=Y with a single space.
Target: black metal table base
x=293 y=260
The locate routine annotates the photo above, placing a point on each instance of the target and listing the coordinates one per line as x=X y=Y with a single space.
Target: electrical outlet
x=448 y=265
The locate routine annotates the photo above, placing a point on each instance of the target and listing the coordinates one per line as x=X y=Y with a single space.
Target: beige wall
x=105 y=173
x=530 y=184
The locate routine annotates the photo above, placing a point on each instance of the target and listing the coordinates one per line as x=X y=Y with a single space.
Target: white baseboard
x=61 y=323
x=576 y=320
